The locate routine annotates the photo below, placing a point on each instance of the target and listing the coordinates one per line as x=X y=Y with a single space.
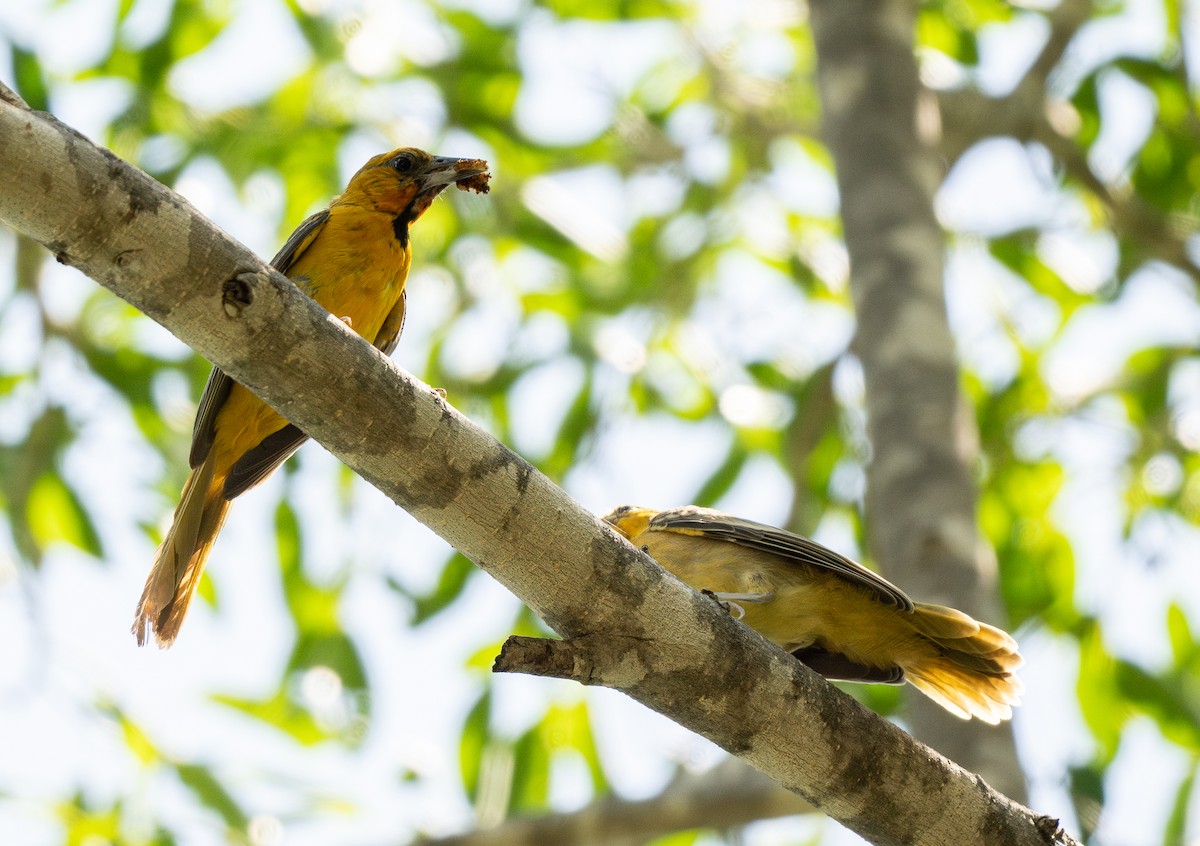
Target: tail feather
x=941 y=623
x=981 y=664
x=1007 y=690
x=948 y=697
x=938 y=621
x=180 y=560
x=972 y=672
x=962 y=693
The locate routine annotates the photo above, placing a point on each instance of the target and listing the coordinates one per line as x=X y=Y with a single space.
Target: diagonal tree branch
x=1026 y=113
x=968 y=115
x=629 y=625
x=1065 y=22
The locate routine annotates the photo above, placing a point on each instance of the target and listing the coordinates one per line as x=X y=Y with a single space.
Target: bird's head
x=405 y=181
x=630 y=520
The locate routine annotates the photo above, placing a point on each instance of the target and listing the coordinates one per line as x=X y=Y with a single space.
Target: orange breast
x=355 y=268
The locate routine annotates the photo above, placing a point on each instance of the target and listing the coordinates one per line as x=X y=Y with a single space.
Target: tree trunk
x=920 y=494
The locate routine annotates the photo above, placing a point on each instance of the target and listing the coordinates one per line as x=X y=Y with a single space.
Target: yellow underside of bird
x=832 y=613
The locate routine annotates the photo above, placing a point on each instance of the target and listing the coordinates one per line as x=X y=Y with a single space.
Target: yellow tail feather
x=972 y=674
x=180 y=560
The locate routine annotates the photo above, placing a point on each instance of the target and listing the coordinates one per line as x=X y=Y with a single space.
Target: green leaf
x=84 y=826
x=280 y=712
x=679 y=838
x=28 y=78
x=1183 y=643
x=201 y=781
x=1087 y=794
x=1166 y=699
x=576 y=426
x=1038 y=572
x=1104 y=709
x=451 y=582
x=569 y=727
x=770 y=376
x=721 y=480
x=935 y=30
x=56 y=515
x=138 y=742
x=1175 y=833
x=886 y=699
x=473 y=741
x=288 y=542
x=531 y=771
x=483 y=658
x=334 y=650
x=314 y=607
x=1087 y=106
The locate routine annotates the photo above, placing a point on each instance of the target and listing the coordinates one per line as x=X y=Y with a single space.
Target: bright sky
x=71 y=624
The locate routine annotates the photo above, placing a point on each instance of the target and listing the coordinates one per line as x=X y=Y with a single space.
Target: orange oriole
x=834 y=615
x=353 y=259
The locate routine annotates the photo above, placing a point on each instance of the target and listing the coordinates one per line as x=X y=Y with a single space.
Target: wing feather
x=216 y=390
x=393 y=325
x=718 y=525
x=262 y=460
x=299 y=241
x=837 y=667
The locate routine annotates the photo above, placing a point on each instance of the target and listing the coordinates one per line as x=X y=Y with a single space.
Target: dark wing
x=393 y=325
x=298 y=242
x=260 y=462
x=726 y=527
x=837 y=667
x=204 y=429
x=217 y=389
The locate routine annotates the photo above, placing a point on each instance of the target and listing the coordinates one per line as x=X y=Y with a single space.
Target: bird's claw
x=731 y=608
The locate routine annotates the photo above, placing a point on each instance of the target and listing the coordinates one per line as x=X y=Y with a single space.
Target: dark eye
x=403 y=163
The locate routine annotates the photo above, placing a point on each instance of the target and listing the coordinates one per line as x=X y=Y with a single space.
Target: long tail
x=971 y=673
x=180 y=560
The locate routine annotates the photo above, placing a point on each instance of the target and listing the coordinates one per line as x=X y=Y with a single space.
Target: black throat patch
x=400 y=227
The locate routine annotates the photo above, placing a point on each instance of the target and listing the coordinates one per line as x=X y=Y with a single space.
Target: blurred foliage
x=663 y=253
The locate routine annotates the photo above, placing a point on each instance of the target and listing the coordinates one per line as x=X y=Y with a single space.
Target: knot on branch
x=238 y=293
x=1051 y=831
x=126 y=259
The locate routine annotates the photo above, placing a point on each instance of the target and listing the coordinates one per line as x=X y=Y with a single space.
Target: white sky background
x=71 y=624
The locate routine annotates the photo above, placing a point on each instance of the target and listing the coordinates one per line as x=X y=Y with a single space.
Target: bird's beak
x=442 y=171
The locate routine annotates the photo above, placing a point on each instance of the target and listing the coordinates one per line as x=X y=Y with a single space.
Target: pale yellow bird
x=833 y=614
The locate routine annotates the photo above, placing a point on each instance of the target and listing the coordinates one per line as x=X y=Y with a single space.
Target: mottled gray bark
x=920 y=493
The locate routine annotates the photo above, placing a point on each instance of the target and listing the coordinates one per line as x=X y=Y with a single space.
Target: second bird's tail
x=972 y=672
x=180 y=559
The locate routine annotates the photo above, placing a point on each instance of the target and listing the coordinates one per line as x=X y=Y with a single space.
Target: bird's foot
x=729 y=601
x=731 y=608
